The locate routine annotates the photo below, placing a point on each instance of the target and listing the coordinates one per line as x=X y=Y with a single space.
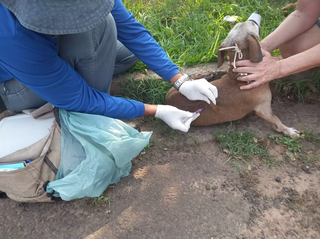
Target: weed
x=196 y=144
x=242 y=146
x=102 y=201
x=234 y=164
x=293 y=145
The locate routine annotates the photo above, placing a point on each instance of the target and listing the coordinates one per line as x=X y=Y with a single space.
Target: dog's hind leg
x=6 y=113
x=265 y=112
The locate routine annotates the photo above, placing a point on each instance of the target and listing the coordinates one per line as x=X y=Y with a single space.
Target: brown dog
x=233 y=103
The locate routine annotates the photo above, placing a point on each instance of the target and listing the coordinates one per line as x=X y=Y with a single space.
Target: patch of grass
x=309 y=159
x=309 y=135
x=150 y=91
x=102 y=201
x=242 y=146
x=301 y=90
x=149 y=145
x=293 y=145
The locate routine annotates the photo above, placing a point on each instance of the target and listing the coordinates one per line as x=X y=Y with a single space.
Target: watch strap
x=181 y=80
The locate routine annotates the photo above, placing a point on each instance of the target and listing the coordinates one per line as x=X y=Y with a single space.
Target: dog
x=241 y=43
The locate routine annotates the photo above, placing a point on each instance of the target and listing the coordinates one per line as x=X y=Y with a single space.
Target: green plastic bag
x=95 y=151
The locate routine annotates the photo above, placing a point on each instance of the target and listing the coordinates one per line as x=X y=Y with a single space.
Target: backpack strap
x=50 y=195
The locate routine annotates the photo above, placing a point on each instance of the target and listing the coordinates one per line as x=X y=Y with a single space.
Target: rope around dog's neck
x=238 y=52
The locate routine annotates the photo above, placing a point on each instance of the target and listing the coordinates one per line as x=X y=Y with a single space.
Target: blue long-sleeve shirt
x=32 y=59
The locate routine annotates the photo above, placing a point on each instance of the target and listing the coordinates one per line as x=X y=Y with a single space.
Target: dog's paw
x=293 y=133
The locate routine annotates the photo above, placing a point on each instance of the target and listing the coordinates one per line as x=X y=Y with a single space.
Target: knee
x=130 y=60
x=289 y=49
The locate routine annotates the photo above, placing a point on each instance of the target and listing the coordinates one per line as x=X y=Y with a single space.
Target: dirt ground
x=185 y=187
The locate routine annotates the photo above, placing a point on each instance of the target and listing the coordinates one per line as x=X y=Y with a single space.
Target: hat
x=58 y=17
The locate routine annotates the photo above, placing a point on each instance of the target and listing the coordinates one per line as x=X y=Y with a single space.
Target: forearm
x=300 y=62
x=302 y=19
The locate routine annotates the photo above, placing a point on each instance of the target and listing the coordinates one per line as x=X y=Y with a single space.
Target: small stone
x=165 y=149
x=214 y=188
x=278 y=179
x=306 y=169
x=208 y=187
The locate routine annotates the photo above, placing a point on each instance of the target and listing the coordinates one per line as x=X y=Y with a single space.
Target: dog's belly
x=232 y=103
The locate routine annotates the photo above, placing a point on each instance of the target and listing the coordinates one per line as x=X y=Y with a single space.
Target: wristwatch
x=181 y=80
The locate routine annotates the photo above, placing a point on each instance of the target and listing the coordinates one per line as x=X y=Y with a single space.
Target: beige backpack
x=28 y=184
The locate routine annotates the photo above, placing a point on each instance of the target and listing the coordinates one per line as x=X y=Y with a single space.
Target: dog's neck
x=245 y=56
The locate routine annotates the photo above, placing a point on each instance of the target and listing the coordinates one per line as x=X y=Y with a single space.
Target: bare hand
x=258 y=73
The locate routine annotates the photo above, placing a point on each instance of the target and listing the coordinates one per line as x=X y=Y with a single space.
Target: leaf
x=169 y=19
x=249 y=168
x=227 y=151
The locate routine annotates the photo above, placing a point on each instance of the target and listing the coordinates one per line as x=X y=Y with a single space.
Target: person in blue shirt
x=67 y=52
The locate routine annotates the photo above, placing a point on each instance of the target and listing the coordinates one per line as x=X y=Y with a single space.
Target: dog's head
x=246 y=36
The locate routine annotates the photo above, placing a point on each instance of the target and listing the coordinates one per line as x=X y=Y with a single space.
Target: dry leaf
x=169 y=19
x=227 y=151
x=255 y=139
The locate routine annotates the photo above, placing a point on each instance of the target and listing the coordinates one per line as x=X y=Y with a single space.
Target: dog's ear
x=255 y=53
x=221 y=55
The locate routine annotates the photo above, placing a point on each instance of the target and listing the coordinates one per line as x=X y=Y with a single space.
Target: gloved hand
x=199 y=90
x=175 y=118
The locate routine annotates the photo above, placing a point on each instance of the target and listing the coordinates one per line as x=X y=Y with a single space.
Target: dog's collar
x=238 y=52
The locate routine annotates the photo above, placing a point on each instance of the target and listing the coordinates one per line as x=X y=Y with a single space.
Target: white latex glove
x=199 y=90
x=175 y=118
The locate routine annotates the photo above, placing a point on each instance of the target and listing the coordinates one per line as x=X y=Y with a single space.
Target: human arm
x=304 y=17
x=56 y=82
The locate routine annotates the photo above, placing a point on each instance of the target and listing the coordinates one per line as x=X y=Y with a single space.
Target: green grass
x=242 y=146
x=102 y=201
x=190 y=31
x=293 y=145
x=151 y=91
x=302 y=90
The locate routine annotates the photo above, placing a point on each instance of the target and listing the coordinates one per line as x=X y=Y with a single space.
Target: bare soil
x=184 y=187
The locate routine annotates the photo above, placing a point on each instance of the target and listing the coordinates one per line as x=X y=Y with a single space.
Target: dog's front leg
x=265 y=112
